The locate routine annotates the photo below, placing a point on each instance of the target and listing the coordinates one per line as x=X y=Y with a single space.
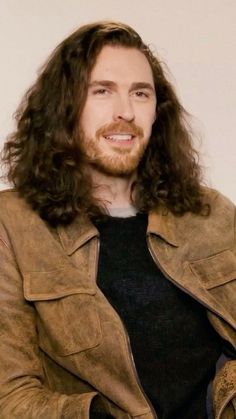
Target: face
x=119 y=111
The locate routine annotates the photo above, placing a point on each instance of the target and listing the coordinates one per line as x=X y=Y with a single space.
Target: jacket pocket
x=216 y=270
x=67 y=318
x=217 y=274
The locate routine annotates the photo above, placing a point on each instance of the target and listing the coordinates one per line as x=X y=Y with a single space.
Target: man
x=118 y=268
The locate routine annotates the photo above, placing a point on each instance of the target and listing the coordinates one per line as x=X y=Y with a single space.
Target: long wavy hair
x=42 y=156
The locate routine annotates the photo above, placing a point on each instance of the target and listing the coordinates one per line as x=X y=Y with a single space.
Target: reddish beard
x=114 y=160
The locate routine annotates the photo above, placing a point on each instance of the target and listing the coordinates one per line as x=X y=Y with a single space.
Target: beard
x=113 y=159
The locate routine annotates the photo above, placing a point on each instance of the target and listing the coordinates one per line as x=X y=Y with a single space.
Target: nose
x=123 y=109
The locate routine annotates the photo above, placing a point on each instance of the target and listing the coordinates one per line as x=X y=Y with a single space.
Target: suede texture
x=61 y=342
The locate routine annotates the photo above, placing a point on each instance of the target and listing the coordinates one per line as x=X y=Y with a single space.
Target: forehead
x=117 y=63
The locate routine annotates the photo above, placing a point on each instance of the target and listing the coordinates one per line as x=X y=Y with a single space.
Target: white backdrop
x=197 y=40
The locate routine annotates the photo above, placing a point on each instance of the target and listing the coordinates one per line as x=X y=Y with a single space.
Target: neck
x=113 y=191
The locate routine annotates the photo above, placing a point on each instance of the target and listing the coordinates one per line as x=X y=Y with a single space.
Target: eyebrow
x=134 y=86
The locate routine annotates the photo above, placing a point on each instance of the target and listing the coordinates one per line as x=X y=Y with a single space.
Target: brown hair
x=43 y=159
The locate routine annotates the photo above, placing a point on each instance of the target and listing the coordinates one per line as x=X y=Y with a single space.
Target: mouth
x=119 y=137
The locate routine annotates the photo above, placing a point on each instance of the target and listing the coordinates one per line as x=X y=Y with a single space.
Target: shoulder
x=10 y=199
x=222 y=211
x=14 y=208
x=201 y=235
x=218 y=201
x=214 y=232
x=16 y=216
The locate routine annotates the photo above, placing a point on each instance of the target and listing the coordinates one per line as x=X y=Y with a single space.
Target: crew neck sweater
x=174 y=346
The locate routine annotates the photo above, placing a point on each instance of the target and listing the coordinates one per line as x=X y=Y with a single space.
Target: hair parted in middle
x=43 y=156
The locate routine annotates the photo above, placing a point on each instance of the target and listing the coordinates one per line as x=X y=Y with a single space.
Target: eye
x=100 y=91
x=141 y=94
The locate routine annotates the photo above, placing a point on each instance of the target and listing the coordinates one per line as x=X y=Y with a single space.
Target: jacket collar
x=81 y=230
x=76 y=234
x=164 y=225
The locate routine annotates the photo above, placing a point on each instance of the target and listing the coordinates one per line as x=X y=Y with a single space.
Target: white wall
x=197 y=39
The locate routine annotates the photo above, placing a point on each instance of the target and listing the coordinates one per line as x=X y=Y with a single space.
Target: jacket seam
x=5 y=243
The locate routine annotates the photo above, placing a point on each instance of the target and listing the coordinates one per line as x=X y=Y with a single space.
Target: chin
x=116 y=168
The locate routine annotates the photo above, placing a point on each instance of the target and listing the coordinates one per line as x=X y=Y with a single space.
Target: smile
x=119 y=137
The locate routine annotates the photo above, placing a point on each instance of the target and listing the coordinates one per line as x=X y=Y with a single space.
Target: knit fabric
x=175 y=348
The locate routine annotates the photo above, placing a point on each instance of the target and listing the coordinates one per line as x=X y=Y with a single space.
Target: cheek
x=148 y=123
x=87 y=123
x=94 y=117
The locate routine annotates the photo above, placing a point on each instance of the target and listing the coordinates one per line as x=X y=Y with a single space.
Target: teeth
x=119 y=137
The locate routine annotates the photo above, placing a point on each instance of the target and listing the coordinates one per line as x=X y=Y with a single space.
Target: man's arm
x=22 y=393
x=224 y=389
x=224 y=385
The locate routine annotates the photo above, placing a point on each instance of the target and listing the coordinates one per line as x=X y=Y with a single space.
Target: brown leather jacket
x=61 y=342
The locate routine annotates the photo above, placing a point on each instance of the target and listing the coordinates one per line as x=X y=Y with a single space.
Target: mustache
x=119 y=128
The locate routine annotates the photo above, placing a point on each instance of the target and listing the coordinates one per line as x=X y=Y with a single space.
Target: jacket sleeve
x=22 y=390
x=225 y=387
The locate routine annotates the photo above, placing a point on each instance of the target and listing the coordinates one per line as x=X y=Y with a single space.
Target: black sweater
x=174 y=346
